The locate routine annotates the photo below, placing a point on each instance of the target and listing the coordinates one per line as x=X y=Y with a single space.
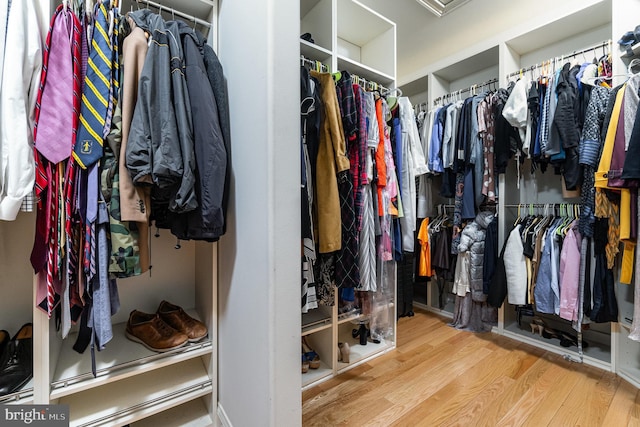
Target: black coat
x=206 y=222
x=566 y=122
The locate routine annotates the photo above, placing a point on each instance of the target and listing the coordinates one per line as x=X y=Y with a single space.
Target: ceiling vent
x=441 y=7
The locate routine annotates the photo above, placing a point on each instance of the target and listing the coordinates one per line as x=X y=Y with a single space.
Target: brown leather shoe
x=152 y=332
x=181 y=321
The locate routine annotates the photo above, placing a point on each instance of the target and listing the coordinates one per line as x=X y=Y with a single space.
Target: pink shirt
x=570 y=274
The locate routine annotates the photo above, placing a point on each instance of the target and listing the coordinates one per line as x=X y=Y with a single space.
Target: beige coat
x=135 y=202
x=331 y=160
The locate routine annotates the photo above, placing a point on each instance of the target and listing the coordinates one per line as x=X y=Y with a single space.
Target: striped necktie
x=95 y=96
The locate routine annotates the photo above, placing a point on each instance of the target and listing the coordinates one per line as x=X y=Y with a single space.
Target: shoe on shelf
x=16 y=361
x=4 y=340
x=344 y=351
x=180 y=321
x=310 y=355
x=305 y=364
x=153 y=332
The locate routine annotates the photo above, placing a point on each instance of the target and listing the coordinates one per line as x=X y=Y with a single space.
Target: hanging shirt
x=570 y=274
x=515 y=267
x=18 y=90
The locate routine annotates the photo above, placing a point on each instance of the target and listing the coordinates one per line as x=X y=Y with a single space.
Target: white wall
x=259 y=257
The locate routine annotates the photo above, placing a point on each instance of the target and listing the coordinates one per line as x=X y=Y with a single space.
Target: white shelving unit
x=347 y=36
x=132 y=382
x=595 y=21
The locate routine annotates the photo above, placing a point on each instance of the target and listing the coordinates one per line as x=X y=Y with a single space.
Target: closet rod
x=369 y=84
x=314 y=64
x=468 y=89
x=174 y=12
x=606 y=43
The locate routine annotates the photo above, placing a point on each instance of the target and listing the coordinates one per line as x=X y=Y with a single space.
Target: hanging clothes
x=21 y=68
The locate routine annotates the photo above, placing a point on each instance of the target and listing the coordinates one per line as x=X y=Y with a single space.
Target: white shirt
x=18 y=91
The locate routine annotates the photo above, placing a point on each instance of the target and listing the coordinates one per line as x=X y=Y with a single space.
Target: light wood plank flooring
x=439 y=376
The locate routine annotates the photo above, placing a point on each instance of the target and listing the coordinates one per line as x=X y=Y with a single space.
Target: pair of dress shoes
x=166 y=329
x=16 y=359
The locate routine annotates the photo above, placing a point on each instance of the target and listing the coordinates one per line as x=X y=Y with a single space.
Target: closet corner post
x=616 y=336
x=508 y=61
x=502 y=233
x=41 y=365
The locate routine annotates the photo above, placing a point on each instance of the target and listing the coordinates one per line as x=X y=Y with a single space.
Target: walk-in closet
x=306 y=203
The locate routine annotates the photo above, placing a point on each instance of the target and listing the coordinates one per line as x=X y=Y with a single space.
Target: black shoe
x=4 y=340
x=16 y=362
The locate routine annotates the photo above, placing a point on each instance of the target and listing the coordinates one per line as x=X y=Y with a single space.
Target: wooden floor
x=439 y=376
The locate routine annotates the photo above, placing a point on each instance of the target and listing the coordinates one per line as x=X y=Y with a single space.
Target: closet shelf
x=20 y=397
x=314 y=52
x=360 y=353
x=635 y=51
x=597 y=354
x=122 y=358
x=313 y=375
x=365 y=71
x=315 y=320
x=191 y=414
x=348 y=317
x=135 y=398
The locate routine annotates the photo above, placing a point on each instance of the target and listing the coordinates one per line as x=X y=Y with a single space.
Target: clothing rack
x=370 y=85
x=173 y=11
x=314 y=64
x=471 y=88
x=561 y=59
x=421 y=106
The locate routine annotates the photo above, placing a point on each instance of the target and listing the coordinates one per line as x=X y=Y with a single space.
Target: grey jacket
x=472 y=240
x=160 y=148
x=207 y=220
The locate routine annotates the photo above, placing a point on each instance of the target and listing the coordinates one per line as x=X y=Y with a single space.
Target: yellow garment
x=625 y=214
x=601 y=179
x=628 y=259
x=331 y=160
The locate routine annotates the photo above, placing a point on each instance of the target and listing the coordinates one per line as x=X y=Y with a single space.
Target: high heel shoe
x=344 y=351
x=536 y=329
x=538 y=325
x=361 y=332
x=311 y=356
x=305 y=364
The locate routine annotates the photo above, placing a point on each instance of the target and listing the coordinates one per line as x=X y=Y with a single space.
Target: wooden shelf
x=138 y=397
x=316 y=320
x=190 y=414
x=122 y=358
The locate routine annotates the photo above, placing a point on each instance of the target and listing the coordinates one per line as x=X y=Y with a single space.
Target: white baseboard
x=222 y=417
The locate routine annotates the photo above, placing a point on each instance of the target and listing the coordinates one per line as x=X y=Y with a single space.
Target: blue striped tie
x=95 y=96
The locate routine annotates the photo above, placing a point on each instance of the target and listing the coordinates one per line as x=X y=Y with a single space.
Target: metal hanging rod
x=468 y=89
x=173 y=11
x=314 y=64
x=553 y=61
x=369 y=85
